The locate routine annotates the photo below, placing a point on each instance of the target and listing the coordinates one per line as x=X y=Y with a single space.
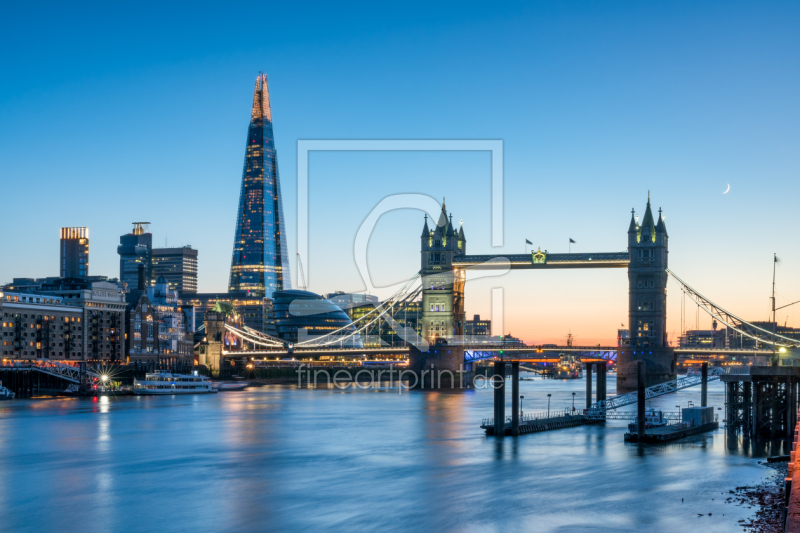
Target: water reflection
x=289 y=459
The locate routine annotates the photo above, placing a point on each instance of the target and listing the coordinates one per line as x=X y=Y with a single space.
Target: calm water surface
x=279 y=458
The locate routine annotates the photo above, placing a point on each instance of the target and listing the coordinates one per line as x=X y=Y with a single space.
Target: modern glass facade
x=260 y=263
x=294 y=311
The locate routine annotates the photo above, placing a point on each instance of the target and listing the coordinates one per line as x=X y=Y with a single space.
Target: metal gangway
x=598 y=411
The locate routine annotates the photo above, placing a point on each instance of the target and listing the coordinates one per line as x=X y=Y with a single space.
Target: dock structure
x=501 y=425
x=761 y=400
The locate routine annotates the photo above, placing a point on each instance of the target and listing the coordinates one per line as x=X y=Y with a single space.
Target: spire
x=442 y=222
x=256 y=112
x=461 y=232
x=261 y=107
x=661 y=225
x=265 y=98
x=634 y=226
x=648 y=229
x=425 y=231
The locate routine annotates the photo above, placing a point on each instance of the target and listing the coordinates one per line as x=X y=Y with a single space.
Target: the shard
x=260 y=264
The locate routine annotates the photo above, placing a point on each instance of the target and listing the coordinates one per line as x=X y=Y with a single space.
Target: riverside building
x=36 y=326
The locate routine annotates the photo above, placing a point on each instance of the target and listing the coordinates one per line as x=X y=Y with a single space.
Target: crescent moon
x=726 y=190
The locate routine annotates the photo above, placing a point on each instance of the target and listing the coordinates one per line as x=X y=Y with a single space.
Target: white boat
x=221 y=386
x=163 y=383
x=5 y=394
x=652 y=419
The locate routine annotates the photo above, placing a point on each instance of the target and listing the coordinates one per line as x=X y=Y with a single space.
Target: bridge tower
x=443 y=315
x=647 y=305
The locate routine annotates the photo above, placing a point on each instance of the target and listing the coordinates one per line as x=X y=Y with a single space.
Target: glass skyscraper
x=260 y=264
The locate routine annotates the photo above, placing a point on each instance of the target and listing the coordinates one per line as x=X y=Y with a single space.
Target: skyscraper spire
x=260 y=263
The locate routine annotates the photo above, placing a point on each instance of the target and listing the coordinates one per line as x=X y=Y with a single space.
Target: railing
x=599 y=409
x=538 y=415
x=55 y=368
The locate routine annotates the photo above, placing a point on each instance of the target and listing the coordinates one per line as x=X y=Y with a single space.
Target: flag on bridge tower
x=571 y=242
x=528 y=242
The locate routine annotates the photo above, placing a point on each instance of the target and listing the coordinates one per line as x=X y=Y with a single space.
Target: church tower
x=443 y=315
x=647 y=304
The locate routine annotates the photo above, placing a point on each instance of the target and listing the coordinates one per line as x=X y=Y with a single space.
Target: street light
x=573 y=401
x=521 y=413
x=548 y=405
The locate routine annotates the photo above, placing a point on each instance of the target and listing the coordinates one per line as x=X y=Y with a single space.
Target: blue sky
x=115 y=113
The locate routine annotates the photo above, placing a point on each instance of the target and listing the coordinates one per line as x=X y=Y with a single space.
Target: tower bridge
x=444 y=262
x=440 y=282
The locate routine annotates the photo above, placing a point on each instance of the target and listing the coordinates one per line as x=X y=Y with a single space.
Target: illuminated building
x=75 y=319
x=302 y=315
x=160 y=331
x=74 y=252
x=443 y=313
x=135 y=249
x=260 y=262
x=478 y=327
x=39 y=327
x=178 y=266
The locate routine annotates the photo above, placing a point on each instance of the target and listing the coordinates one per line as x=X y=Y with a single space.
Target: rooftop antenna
x=302 y=275
x=774 y=323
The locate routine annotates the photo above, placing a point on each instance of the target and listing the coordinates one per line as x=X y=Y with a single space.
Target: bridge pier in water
x=762 y=401
x=499 y=386
x=602 y=372
x=589 y=384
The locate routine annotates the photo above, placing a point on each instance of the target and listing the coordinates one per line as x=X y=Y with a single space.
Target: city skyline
x=583 y=142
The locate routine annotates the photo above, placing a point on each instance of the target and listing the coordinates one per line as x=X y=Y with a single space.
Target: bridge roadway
x=542 y=260
x=490 y=351
x=318 y=351
x=484 y=351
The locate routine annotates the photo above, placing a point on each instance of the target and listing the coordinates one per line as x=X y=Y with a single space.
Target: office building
x=260 y=262
x=178 y=266
x=74 y=252
x=477 y=327
x=135 y=249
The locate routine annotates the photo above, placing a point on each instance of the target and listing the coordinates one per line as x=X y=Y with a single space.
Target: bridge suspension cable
x=384 y=309
x=734 y=322
x=401 y=296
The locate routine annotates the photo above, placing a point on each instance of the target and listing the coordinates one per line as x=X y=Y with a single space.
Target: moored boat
x=163 y=383
x=652 y=419
x=5 y=394
x=228 y=387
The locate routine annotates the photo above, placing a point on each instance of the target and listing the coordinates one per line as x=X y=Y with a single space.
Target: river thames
x=282 y=458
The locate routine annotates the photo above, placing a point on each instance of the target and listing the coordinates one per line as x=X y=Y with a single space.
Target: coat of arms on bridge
x=539 y=257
